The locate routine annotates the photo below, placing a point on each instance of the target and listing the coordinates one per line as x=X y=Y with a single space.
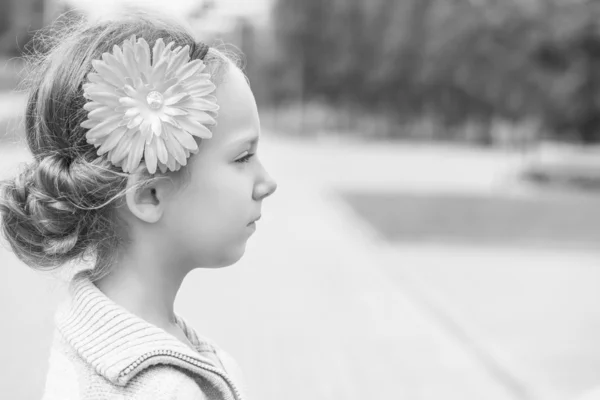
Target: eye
x=245 y=159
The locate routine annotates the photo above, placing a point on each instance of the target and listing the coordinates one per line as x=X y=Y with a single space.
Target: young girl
x=144 y=143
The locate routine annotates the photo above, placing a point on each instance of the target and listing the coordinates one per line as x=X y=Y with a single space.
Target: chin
x=235 y=257
x=228 y=259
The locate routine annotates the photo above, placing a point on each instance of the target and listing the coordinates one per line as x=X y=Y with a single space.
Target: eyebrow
x=252 y=139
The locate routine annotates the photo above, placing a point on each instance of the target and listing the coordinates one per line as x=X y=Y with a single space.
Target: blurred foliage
x=459 y=60
x=19 y=22
x=463 y=65
x=19 y=19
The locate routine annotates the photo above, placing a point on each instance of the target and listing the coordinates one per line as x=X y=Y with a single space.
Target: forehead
x=238 y=114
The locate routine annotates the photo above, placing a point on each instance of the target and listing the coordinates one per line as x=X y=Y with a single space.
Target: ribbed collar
x=111 y=339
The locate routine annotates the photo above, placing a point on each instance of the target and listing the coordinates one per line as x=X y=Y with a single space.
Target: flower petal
x=107 y=73
x=146 y=129
x=115 y=62
x=130 y=91
x=98 y=137
x=161 y=150
x=105 y=98
x=101 y=113
x=172 y=163
x=202 y=103
x=139 y=84
x=173 y=89
x=132 y=112
x=104 y=127
x=128 y=102
x=188 y=152
x=89 y=123
x=122 y=149
x=100 y=88
x=135 y=153
x=142 y=54
x=166 y=85
x=174 y=148
x=201 y=92
x=163 y=167
x=166 y=51
x=158 y=71
x=198 y=76
x=189 y=69
x=178 y=60
x=129 y=62
x=135 y=122
x=201 y=116
x=176 y=99
x=157 y=50
x=112 y=140
x=185 y=139
x=156 y=126
x=174 y=111
x=117 y=53
x=194 y=128
x=95 y=78
x=92 y=105
x=169 y=120
x=176 y=50
x=150 y=157
x=200 y=88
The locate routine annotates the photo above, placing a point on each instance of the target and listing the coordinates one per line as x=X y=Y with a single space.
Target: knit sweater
x=101 y=351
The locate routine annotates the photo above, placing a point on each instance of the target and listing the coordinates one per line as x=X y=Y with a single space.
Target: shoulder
x=164 y=382
x=69 y=377
x=232 y=368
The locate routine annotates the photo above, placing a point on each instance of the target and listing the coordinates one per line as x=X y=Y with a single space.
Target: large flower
x=148 y=105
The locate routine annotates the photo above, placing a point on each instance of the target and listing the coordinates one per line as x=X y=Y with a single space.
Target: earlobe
x=144 y=201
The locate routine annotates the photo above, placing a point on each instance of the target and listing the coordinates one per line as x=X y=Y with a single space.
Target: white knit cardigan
x=101 y=351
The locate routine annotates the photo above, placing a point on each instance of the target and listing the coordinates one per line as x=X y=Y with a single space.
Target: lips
x=254 y=220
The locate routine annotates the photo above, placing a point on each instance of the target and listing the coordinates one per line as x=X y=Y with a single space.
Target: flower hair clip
x=148 y=106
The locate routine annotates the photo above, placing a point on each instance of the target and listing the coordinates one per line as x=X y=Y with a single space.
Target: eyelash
x=245 y=159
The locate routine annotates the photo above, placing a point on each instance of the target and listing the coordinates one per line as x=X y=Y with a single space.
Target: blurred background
x=436 y=230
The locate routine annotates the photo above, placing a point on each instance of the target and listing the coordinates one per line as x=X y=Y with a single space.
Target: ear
x=147 y=202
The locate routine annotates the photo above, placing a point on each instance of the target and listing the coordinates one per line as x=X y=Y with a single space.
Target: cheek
x=217 y=203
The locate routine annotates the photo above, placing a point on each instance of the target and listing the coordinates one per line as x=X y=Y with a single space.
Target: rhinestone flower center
x=155 y=100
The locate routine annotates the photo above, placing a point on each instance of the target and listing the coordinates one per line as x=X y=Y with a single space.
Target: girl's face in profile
x=209 y=219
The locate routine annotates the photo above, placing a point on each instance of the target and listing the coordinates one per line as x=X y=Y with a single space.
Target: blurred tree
x=402 y=61
x=24 y=18
x=569 y=56
x=464 y=60
x=337 y=46
x=488 y=60
x=5 y=16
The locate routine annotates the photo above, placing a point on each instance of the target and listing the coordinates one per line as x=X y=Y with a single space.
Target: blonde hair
x=62 y=206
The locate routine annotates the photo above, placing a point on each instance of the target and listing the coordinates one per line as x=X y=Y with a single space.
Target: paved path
x=530 y=315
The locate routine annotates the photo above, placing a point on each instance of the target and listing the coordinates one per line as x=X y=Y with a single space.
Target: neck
x=144 y=286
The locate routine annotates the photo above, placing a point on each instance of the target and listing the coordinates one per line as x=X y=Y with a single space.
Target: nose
x=266 y=187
